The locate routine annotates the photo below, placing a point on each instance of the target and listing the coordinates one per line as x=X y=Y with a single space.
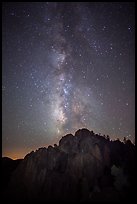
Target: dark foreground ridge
x=85 y=167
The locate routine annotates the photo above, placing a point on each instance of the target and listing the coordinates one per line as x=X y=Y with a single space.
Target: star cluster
x=66 y=66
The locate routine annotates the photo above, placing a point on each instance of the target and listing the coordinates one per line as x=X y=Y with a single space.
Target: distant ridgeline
x=84 y=167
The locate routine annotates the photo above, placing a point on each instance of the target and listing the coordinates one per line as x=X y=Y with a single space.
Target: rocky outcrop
x=80 y=168
x=8 y=167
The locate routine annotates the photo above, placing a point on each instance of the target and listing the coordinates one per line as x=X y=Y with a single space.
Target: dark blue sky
x=66 y=66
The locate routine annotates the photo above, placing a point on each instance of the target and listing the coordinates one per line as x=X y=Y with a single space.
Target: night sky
x=66 y=66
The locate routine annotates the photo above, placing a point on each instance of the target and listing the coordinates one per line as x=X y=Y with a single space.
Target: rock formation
x=84 y=167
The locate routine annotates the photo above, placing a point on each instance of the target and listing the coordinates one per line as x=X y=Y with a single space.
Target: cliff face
x=84 y=167
x=8 y=167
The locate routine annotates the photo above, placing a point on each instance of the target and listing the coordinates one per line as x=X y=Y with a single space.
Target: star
x=66 y=66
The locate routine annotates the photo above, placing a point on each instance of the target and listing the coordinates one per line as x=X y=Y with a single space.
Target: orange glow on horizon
x=17 y=153
x=20 y=153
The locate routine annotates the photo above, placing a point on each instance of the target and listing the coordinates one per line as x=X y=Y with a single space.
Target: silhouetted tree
x=128 y=142
x=81 y=168
x=108 y=138
x=104 y=136
x=124 y=140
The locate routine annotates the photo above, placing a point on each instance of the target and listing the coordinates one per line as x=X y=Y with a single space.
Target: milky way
x=66 y=66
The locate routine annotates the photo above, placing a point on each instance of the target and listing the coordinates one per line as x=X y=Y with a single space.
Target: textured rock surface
x=81 y=168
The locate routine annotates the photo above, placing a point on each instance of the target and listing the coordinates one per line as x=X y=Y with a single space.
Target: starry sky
x=65 y=66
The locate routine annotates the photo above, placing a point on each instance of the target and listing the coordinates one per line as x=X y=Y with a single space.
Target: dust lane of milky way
x=66 y=66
